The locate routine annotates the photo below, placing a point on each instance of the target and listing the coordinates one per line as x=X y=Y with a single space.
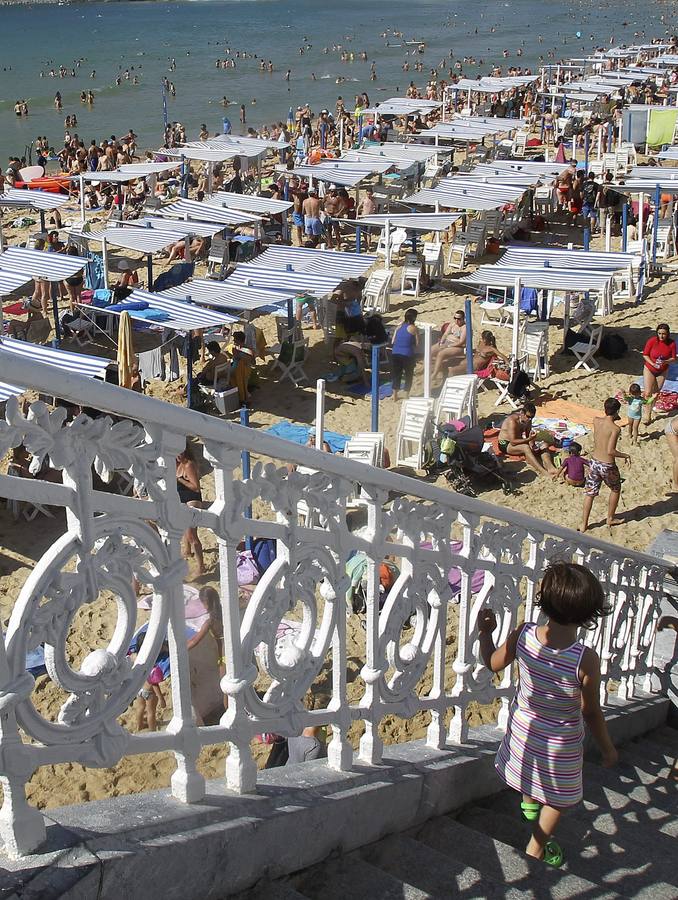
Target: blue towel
x=298 y=434
x=361 y=390
x=129 y=306
x=153 y=315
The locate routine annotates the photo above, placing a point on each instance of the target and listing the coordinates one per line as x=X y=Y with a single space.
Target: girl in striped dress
x=541 y=755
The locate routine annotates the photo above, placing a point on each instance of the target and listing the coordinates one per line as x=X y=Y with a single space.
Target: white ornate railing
x=109 y=541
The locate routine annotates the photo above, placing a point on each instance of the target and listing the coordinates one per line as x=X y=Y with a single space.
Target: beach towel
x=660 y=127
x=129 y=306
x=298 y=434
x=173 y=277
x=153 y=315
x=362 y=390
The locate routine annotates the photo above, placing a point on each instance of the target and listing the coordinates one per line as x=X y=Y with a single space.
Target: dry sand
x=646 y=508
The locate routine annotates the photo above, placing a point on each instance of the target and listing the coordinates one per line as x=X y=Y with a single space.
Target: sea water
x=112 y=37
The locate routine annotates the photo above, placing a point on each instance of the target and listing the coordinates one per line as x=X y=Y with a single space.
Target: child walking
x=634 y=410
x=541 y=755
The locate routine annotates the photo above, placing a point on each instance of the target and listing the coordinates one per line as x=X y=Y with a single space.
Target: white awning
x=180 y=316
x=447 y=200
x=543 y=278
x=402 y=106
x=10 y=281
x=143 y=170
x=568 y=259
x=29 y=198
x=523 y=167
x=79 y=363
x=284 y=281
x=141 y=240
x=306 y=259
x=670 y=152
x=492 y=85
x=347 y=174
x=225 y=295
x=412 y=221
x=263 y=206
x=402 y=162
x=201 y=153
x=206 y=211
x=655 y=174
x=649 y=185
x=40 y=264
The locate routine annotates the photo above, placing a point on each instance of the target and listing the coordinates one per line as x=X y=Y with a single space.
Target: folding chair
x=217 y=258
x=469 y=243
x=291 y=361
x=398 y=238
x=433 y=259
x=25 y=508
x=377 y=438
x=492 y=382
x=413 y=431
x=586 y=351
x=458 y=398
x=534 y=349
x=519 y=144
x=411 y=278
x=377 y=290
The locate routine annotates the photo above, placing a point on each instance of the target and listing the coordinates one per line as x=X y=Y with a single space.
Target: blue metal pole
x=54 y=290
x=184 y=178
x=358 y=240
x=625 y=219
x=245 y=464
x=375 y=386
x=587 y=143
x=189 y=369
x=655 y=224
x=469 y=336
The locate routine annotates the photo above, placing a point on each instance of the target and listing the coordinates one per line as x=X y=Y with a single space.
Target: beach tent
x=345 y=174
x=23 y=198
x=423 y=222
x=306 y=259
x=207 y=211
x=40 y=264
x=78 y=363
x=250 y=203
x=231 y=297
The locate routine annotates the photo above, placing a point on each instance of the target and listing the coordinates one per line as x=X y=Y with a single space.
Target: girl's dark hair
x=410 y=316
x=570 y=594
x=575 y=448
x=210 y=599
x=489 y=338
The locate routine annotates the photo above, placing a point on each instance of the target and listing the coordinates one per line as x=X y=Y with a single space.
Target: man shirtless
x=516 y=439
x=603 y=468
x=311 y=207
x=334 y=208
x=298 y=198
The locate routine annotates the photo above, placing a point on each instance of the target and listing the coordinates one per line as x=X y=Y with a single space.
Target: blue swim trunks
x=314 y=226
x=297 y=220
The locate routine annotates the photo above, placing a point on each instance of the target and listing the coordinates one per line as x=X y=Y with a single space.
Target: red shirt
x=659 y=350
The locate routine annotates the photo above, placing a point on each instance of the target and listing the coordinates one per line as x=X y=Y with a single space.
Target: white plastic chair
x=469 y=243
x=458 y=398
x=377 y=291
x=398 y=238
x=534 y=349
x=585 y=351
x=292 y=366
x=217 y=258
x=413 y=431
x=433 y=259
x=411 y=279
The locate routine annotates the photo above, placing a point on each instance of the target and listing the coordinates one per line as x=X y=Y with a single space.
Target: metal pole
x=189 y=368
x=290 y=313
x=641 y=216
x=469 y=335
x=375 y=386
x=427 y=359
x=42 y=221
x=149 y=270
x=516 y=319
x=184 y=178
x=319 y=413
x=655 y=224
x=104 y=261
x=245 y=465
x=387 y=243
x=608 y=233
x=625 y=219
x=83 y=216
x=587 y=142
x=54 y=290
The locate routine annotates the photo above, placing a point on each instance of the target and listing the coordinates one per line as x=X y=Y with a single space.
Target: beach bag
x=613 y=346
x=264 y=553
x=519 y=384
x=246 y=568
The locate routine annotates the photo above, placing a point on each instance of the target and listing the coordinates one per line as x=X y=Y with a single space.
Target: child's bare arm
x=590 y=706
x=497 y=658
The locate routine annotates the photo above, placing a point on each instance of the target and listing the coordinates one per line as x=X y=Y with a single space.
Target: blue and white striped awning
x=670 y=152
x=23 y=198
x=79 y=363
x=283 y=280
x=10 y=281
x=491 y=84
x=147 y=235
x=202 y=153
x=238 y=144
x=181 y=316
x=412 y=221
x=546 y=278
x=143 y=170
x=262 y=206
x=536 y=170
x=306 y=259
x=40 y=264
x=206 y=211
x=347 y=174
x=225 y=295
x=402 y=106
x=569 y=259
x=447 y=200
x=401 y=161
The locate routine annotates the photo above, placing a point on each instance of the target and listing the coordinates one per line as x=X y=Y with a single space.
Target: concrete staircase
x=621 y=842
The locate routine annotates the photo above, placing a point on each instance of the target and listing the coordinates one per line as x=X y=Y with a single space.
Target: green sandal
x=530 y=811
x=553 y=854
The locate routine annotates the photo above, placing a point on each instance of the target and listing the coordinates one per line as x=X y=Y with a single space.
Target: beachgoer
x=214 y=625
x=541 y=755
x=403 y=359
x=634 y=409
x=452 y=344
x=188 y=488
x=573 y=469
x=658 y=353
x=484 y=357
x=74 y=283
x=603 y=468
x=516 y=438
x=590 y=198
x=311 y=208
x=150 y=697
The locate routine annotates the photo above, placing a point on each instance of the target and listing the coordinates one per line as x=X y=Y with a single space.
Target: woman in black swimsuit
x=188 y=488
x=74 y=283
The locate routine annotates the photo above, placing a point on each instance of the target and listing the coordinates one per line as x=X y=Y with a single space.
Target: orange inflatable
x=54 y=184
x=317 y=155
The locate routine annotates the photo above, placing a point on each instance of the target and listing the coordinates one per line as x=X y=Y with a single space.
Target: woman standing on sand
x=658 y=354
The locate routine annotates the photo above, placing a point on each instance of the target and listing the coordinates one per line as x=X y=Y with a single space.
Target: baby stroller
x=460 y=457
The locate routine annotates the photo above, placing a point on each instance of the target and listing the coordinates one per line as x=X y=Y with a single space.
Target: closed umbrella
x=125 y=351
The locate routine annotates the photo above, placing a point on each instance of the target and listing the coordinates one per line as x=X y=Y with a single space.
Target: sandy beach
x=646 y=508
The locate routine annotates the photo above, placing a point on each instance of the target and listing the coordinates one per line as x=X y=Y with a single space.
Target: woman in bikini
x=188 y=488
x=451 y=347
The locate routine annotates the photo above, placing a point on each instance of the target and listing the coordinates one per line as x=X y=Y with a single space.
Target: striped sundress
x=541 y=754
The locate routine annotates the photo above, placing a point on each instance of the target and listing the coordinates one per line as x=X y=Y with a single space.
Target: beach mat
x=361 y=390
x=571 y=411
x=298 y=434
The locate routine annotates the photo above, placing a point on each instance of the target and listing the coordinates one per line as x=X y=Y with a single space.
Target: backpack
x=519 y=384
x=613 y=346
x=590 y=193
x=264 y=553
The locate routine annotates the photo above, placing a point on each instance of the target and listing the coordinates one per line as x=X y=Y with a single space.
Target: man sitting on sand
x=603 y=468
x=517 y=439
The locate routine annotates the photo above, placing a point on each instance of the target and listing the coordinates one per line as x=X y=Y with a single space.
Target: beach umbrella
x=125 y=351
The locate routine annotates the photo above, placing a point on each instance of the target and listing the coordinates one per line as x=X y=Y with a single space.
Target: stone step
x=656 y=749
x=435 y=873
x=665 y=735
x=271 y=890
x=648 y=771
x=618 y=788
x=592 y=853
x=350 y=876
x=504 y=863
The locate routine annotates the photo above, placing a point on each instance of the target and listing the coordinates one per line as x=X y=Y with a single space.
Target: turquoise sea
x=112 y=37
